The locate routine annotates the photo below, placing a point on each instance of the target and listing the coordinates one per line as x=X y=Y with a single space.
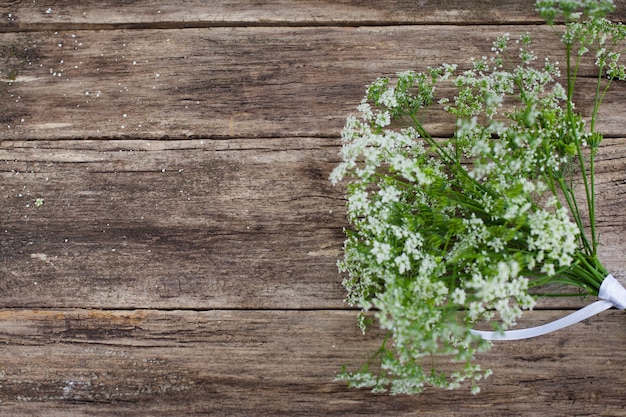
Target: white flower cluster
x=446 y=233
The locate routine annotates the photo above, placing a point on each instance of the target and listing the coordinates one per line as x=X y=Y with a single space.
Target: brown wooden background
x=183 y=261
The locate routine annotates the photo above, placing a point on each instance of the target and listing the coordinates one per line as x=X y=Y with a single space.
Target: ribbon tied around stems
x=611 y=294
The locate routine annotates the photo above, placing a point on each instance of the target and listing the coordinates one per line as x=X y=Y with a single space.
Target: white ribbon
x=611 y=294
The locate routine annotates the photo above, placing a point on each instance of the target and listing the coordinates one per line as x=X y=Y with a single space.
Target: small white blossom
x=389 y=194
x=382 y=252
x=403 y=262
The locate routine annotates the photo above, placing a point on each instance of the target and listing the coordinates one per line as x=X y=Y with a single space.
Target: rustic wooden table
x=183 y=259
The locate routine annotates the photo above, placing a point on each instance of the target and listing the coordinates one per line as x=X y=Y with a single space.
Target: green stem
x=451 y=162
x=589 y=191
x=571 y=78
x=592 y=203
x=597 y=104
x=571 y=119
x=598 y=98
x=573 y=207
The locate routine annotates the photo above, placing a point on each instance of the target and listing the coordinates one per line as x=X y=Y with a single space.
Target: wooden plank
x=226 y=82
x=268 y=363
x=59 y=15
x=249 y=223
x=212 y=224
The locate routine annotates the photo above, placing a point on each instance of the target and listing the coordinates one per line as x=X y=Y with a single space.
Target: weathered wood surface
x=57 y=14
x=151 y=362
x=192 y=84
x=248 y=223
x=191 y=224
x=183 y=261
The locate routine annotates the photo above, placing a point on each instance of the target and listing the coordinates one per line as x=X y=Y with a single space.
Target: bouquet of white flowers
x=449 y=232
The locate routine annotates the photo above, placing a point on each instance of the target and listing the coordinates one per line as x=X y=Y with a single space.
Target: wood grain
x=250 y=223
x=268 y=363
x=64 y=14
x=230 y=82
x=244 y=224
